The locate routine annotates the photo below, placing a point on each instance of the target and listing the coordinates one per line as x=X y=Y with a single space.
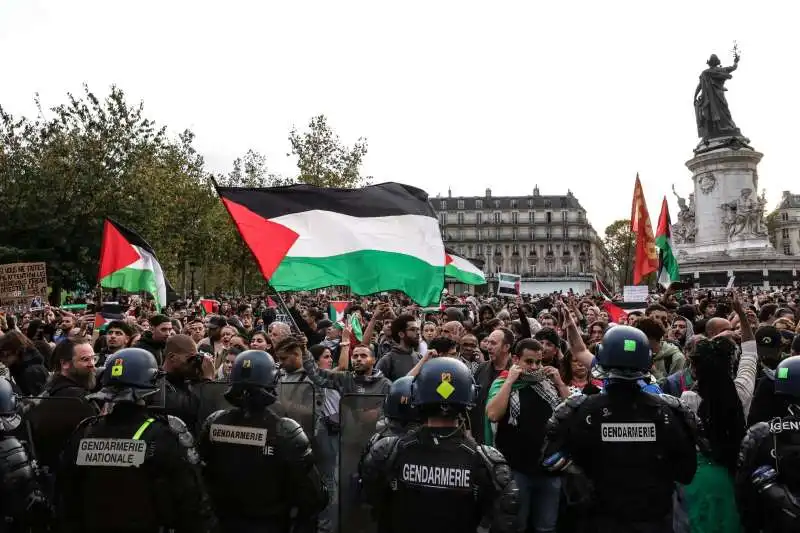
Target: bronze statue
x=710 y=105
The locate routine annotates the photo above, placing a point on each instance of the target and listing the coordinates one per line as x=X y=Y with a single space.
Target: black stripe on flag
x=385 y=199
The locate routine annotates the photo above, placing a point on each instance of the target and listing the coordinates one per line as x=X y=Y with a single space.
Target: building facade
x=538 y=237
x=786 y=225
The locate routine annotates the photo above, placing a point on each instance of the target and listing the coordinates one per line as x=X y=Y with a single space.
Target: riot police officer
x=400 y=415
x=633 y=446
x=436 y=478
x=259 y=466
x=22 y=503
x=768 y=477
x=141 y=464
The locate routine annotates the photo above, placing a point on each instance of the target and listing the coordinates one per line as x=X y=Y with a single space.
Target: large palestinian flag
x=377 y=238
x=127 y=262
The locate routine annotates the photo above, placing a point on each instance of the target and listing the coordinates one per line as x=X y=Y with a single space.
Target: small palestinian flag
x=377 y=238
x=127 y=262
x=337 y=309
x=462 y=270
x=207 y=306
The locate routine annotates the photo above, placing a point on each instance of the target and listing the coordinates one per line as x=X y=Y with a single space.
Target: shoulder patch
x=179 y=429
x=491 y=454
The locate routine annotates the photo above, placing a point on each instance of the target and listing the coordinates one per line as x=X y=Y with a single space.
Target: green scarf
x=497 y=384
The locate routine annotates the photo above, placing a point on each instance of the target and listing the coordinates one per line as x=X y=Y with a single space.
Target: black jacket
x=154 y=347
x=29 y=373
x=182 y=401
x=62 y=407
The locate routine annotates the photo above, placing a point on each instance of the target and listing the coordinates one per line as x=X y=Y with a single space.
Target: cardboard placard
x=22 y=281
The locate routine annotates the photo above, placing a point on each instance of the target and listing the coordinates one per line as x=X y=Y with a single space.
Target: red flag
x=646 y=258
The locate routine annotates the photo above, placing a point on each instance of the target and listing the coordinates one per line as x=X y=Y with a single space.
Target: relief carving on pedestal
x=707 y=182
x=744 y=217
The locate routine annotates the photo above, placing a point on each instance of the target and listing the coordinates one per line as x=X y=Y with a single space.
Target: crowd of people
x=679 y=417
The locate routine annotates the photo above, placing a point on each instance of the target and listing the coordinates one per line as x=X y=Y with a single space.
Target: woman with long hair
x=721 y=403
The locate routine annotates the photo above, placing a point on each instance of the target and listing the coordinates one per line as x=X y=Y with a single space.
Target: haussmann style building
x=545 y=239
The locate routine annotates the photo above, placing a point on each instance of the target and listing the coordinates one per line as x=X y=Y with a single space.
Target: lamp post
x=192 y=266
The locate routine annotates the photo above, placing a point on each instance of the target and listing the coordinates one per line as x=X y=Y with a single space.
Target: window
x=460 y=234
x=469 y=250
x=547 y=204
x=497 y=234
x=443 y=218
x=564 y=232
x=444 y=204
x=515 y=218
x=531 y=233
x=530 y=217
x=497 y=204
x=784 y=217
x=497 y=218
x=461 y=204
x=549 y=217
x=514 y=234
x=785 y=233
x=563 y=216
x=549 y=235
x=515 y=248
x=479 y=250
x=478 y=204
x=787 y=248
x=580 y=216
x=478 y=218
x=513 y=204
x=460 y=218
x=530 y=202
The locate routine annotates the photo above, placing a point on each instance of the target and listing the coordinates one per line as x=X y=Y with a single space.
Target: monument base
x=712 y=265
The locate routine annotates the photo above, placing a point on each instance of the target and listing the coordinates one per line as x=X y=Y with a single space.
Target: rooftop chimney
x=488 y=192
x=449 y=193
x=536 y=190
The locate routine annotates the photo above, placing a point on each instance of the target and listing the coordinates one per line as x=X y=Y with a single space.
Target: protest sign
x=22 y=281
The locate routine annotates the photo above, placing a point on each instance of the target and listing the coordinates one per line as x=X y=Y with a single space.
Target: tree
x=620 y=243
x=323 y=160
x=772 y=227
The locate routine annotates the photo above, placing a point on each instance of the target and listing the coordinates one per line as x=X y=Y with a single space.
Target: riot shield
x=297 y=400
x=47 y=425
x=358 y=415
x=211 y=396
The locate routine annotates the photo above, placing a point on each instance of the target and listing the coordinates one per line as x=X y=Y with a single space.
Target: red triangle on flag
x=116 y=252
x=99 y=320
x=447 y=259
x=268 y=240
x=340 y=305
x=271 y=303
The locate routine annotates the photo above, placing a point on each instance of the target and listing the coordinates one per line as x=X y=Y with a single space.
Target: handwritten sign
x=23 y=281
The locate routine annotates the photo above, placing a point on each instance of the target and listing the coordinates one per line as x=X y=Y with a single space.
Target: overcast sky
x=466 y=95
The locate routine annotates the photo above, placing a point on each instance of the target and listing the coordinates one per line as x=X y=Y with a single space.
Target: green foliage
x=620 y=243
x=322 y=159
x=772 y=226
x=64 y=171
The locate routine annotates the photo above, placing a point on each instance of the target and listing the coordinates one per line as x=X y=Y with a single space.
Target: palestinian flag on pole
x=615 y=312
x=462 y=270
x=337 y=309
x=127 y=262
x=667 y=264
x=377 y=238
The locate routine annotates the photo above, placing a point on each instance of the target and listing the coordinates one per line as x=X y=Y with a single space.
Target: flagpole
x=286 y=310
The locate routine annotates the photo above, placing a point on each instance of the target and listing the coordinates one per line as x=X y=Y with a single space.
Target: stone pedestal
x=719 y=177
x=718 y=250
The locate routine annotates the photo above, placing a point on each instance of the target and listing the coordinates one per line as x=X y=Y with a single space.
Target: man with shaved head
x=716 y=326
x=453 y=330
x=185 y=369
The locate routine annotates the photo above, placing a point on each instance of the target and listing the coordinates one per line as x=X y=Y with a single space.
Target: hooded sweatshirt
x=668 y=360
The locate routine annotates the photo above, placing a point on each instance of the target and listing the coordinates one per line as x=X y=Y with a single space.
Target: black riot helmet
x=444 y=387
x=787 y=377
x=9 y=410
x=625 y=353
x=254 y=378
x=397 y=405
x=130 y=375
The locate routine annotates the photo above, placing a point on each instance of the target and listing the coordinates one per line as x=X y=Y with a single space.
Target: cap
x=768 y=337
x=769 y=341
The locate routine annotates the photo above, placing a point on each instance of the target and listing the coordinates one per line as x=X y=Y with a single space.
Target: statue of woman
x=710 y=105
